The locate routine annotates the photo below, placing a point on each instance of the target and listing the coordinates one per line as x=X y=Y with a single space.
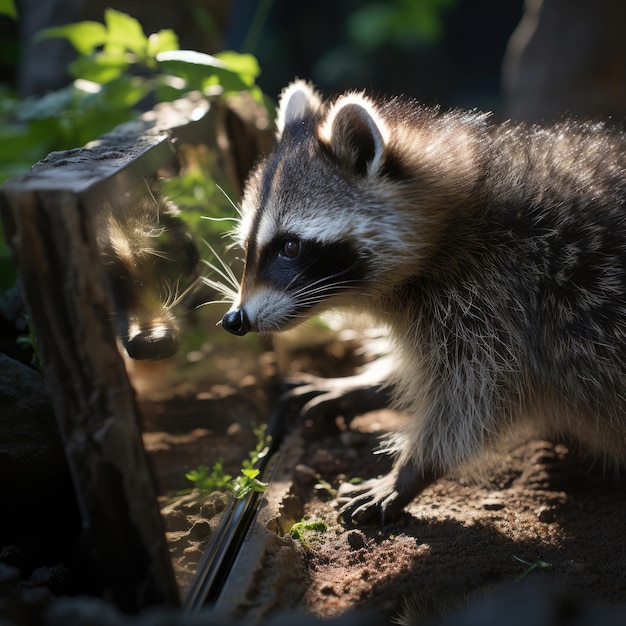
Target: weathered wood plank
x=48 y=221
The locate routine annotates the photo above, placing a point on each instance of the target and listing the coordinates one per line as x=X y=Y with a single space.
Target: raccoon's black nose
x=153 y=344
x=236 y=322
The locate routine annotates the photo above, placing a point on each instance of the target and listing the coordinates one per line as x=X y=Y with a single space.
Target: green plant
x=7 y=7
x=247 y=483
x=248 y=480
x=324 y=485
x=402 y=23
x=211 y=479
x=537 y=564
x=261 y=448
x=216 y=479
x=108 y=51
x=117 y=66
x=298 y=530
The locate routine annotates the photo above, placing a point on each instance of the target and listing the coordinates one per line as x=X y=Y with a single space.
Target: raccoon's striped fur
x=495 y=254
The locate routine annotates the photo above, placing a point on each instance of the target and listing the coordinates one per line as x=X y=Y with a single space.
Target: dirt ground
x=466 y=535
x=537 y=511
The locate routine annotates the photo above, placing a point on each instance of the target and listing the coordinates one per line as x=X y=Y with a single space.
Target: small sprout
x=211 y=479
x=537 y=564
x=299 y=528
x=324 y=485
x=28 y=342
x=248 y=482
x=357 y=480
x=215 y=479
x=261 y=449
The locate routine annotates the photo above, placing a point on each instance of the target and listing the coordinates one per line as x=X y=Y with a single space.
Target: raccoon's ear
x=355 y=133
x=297 y=101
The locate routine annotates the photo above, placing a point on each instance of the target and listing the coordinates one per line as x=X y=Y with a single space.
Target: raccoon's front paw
x=373 y=501
x=382 y=499
x=317 y=397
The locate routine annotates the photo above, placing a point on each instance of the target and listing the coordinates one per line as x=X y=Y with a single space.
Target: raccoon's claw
x=317 y=396
x=373 y=501
x=382 y=499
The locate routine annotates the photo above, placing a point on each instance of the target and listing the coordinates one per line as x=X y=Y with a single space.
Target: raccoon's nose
x=153 y=343
x=236 y=322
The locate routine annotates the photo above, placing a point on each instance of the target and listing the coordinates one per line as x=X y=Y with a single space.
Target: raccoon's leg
x=450 y=425
x=383 y=499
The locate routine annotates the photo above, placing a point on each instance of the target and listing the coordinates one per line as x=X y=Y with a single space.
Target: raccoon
x=152 y=267
x=494 y=253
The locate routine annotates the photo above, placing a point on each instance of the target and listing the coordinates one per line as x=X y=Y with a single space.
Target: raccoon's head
x=151 y=264
x=316 y=225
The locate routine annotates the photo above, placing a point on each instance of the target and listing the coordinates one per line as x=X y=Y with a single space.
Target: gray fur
x=495 y=254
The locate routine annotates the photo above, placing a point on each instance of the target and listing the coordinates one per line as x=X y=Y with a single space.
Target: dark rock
x=54 y=577
x=8 y=574
x=31 y=452
x=356 y=539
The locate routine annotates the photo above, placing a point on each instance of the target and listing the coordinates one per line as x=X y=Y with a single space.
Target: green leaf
x=214 y=479
x=124 y=92
x=201 y=70
x=124 y=33
x=245 y=66
x=84 y=36
x=101 y=68
x=7 y=7
x=163 y=41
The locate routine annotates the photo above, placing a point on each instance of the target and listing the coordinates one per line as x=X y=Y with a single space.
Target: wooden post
x=48 y=222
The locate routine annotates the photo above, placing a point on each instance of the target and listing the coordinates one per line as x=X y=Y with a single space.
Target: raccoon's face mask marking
x=293 y=278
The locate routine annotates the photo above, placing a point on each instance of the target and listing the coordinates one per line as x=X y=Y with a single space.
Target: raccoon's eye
x=291 y=248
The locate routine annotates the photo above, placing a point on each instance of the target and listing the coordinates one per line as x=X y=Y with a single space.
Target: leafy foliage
x=117 y=67
x=401 y=23
x=216 y=479
x=211 y=479
x=7 y=7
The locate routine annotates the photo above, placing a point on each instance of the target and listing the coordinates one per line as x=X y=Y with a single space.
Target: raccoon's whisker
x=156 y=202
x=212 y=302
x=322 y=289
x=157 y=253
x=309 y=300
x=230 y=282
x=171 y=293
x=321 y=293
x=219 y=219
x=225 y=272
x=322 y=286
x=168 y=295
x=154 y=232
x=230 y=200
x=220 y=287
x=308 y=288
x=180 y=295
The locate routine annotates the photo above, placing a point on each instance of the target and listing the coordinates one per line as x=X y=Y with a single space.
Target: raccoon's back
x=521 y=307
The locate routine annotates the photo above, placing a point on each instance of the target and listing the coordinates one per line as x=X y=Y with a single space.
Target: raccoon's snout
x=153 y=343
x=236 y=322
